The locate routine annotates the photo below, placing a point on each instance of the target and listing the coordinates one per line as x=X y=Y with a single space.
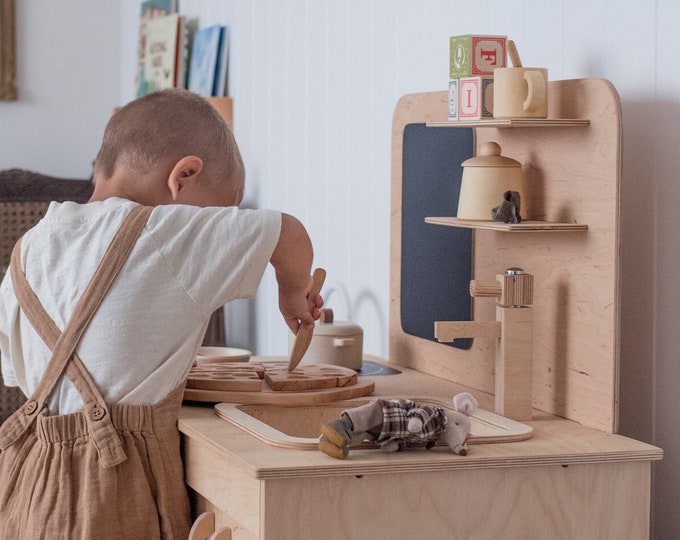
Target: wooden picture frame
x=8 y=59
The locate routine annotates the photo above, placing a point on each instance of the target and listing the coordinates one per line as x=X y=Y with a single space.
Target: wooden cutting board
x=221 y=376
x=255 y=383
x=309 y=377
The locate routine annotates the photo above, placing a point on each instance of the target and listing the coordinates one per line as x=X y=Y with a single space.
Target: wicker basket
x=15 y=219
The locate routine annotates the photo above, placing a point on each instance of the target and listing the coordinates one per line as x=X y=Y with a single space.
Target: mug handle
x=537 y=90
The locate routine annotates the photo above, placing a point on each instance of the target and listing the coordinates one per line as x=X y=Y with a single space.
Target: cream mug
x=520 y=92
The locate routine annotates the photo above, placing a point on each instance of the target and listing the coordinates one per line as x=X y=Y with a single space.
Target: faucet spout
x=447 y=331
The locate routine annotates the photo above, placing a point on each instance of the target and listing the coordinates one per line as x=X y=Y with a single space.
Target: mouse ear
x=465 y=403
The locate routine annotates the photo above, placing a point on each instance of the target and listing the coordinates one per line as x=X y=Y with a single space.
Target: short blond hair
x=161 y=128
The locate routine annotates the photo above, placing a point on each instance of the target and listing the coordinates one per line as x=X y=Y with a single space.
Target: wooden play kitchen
x=575 y=477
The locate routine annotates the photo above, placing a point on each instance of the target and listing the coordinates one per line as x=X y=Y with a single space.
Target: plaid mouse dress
x=108 y=471
x=387 y=420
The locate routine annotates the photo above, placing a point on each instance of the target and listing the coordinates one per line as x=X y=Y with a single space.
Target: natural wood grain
x=298 y=428
x=224 y=106
x=566 y=481
x=203 y=526
x=511 y=123
x=599 y=501
x=226 y=377
x=524 y=226
x=572 y=176
x=230 y=490
x=516 y=289
x=223 y=533
x=514 y=362
x=222 y=519
x=308 y=377
x=363 y=387
x=447 y=331
x=555 y=441
x=486 y=289
x=253 y=383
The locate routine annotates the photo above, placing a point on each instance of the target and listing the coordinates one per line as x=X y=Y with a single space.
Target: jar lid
x=490 y=156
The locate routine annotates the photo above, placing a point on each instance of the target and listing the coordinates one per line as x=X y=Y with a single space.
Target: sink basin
x=297 y=426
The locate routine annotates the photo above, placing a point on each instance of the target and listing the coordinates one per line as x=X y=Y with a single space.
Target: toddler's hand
x=298 y=308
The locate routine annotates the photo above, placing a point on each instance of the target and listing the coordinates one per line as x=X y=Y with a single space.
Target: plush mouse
x=395 y=424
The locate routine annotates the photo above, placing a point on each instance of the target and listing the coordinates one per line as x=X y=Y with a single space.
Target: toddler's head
x=169 y=146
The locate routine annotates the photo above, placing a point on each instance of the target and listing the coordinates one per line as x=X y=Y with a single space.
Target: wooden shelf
x=513 y=123
x=525 y=226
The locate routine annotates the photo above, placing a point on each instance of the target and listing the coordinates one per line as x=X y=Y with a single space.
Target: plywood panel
x=572 y=175
x=226 y=486
x=595 y=501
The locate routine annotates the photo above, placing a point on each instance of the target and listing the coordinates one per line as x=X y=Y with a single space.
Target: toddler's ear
x=184 y=171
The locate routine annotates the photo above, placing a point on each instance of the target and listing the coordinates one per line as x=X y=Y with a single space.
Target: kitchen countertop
x=555 y=441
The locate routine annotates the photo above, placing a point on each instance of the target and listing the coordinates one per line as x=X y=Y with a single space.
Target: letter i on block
x=475 y=98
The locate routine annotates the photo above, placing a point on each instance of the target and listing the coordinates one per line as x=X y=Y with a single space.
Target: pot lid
x=490 y=156
x=337 y=328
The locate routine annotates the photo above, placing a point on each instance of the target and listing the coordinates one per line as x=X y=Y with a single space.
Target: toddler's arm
x=292 y=260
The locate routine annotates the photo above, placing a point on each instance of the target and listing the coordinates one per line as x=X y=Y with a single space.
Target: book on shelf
x=222 y=65
x=165 y=55
x=209 y=56
x=150 y=9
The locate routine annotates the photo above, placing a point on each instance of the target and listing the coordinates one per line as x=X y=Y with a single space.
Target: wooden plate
x=231 y=377
x=308 y=377
x=255 y=383
x=221 y=354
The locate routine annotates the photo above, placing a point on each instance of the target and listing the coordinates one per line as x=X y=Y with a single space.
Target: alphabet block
x=476 y=55
x=453 y=99
x=475 y=98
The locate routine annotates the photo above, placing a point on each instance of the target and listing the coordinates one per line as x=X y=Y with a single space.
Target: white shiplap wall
x=315 y=83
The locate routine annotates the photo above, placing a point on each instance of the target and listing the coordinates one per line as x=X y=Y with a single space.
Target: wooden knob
x=485 y=289
x=518 y=288
x=326 y=315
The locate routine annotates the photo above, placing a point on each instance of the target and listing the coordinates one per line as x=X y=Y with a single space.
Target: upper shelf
x=525 y=226
x=513 y=122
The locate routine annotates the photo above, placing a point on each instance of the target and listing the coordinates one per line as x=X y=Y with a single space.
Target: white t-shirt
x=187 y=262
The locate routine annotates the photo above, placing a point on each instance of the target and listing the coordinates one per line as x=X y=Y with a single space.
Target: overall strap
x=63 y=344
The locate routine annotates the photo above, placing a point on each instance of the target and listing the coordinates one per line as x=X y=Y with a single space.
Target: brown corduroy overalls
x=108 y=471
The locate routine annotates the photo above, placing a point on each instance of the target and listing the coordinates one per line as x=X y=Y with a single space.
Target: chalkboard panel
x=436 y=262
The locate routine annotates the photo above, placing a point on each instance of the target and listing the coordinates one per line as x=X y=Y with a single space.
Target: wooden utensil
x=304 y=335
x=514 y=55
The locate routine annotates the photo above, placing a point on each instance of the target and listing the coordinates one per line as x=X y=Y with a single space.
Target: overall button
x=30 y=407
x=97 y=412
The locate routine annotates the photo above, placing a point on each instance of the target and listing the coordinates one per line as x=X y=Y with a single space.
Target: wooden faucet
x=513 y=331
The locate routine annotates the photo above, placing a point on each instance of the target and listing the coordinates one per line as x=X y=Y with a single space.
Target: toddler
x=104 y=308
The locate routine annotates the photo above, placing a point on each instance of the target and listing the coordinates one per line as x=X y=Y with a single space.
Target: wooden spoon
x=304 y=336
x=514 y=55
